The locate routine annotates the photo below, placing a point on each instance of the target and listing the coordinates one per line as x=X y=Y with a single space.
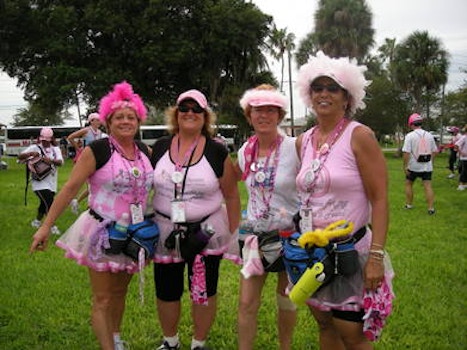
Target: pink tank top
x=113 y=187
x=338 y=191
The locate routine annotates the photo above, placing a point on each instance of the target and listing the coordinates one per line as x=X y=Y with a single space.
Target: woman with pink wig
x=119 y=175
x=343 y=176
x=266 y=162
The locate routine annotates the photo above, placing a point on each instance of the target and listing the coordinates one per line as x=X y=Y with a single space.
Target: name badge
x=178 y=211
x=136 y=210
x=306 y=220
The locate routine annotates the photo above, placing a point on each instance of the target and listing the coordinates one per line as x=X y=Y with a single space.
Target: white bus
x=150 y=133
x=18 y=138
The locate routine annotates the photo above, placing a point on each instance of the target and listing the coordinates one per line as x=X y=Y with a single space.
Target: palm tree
x=420 y=67
x=344 y=28
x=276 y=47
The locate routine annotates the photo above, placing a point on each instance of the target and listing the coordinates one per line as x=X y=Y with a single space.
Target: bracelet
x=379 y=252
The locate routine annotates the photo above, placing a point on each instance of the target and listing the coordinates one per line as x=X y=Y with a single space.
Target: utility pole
x=291 y=94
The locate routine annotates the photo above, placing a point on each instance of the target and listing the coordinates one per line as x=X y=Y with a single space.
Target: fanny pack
x=144 y=235
x=338 y=258
x=270 y=247
x=189 y=237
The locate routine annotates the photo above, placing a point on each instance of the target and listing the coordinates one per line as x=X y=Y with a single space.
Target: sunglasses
x=332 y=88
x=194 y=109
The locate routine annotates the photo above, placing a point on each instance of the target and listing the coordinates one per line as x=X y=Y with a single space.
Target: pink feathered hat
x=257 y=98
x=122 y=96
x=344 y=71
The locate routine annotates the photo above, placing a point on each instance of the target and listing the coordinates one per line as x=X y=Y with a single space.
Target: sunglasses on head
x=332 y=88
x=194 y=109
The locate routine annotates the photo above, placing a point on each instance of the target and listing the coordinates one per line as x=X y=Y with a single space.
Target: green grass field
x=45 y=298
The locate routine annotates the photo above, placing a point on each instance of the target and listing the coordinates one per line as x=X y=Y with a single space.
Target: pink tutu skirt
x=221 y=243
x=85 y=241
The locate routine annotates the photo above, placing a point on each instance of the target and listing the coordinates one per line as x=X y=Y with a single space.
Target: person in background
x=461 y=148
x=454 y=131
x=193 y=177
x=46 y=188
x=89 y=133
x=343 y=176
x=64 y=147
x=80 y=139
x=267 y=162
x=415 y=164
x=119 y=174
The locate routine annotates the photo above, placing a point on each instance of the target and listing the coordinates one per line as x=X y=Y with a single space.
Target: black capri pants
x=168 y=278
x=46 y=197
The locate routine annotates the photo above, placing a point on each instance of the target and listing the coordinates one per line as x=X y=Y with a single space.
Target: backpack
x=423 y=154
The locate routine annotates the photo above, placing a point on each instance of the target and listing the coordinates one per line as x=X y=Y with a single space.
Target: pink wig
x=257 y=98
x=122 y=96
x=344 y=71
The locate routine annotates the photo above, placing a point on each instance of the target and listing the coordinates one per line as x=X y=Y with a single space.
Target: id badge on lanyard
x=178 y=211
x=137 y=215
x=306 y=220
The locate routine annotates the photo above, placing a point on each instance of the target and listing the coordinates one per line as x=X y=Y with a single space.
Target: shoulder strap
x=102 y=151
x=143 y=148
x=216 y=154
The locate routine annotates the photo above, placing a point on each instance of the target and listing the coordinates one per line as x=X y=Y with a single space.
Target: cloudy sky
x=443 y=19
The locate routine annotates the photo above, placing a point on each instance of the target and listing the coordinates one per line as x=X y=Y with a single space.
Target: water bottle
x=245 y=228
x=309 y=283
x=122 y=224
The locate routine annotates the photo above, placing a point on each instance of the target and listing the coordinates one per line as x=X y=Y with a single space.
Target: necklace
x=177 y=176
x=320 y=155
x=260 y=189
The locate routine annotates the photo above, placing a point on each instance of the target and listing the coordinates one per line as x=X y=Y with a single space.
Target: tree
x=64 y=50
x=344 y=28
x=420 y=68
x=280 y=42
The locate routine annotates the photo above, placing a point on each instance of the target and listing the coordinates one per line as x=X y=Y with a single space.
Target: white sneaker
x=451 y=176
x=74 y=205
x=36 y=223
x=461 y=188
x=54 y=230
x=120 y=345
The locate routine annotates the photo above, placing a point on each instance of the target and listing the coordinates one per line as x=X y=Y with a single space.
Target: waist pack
x=297 y=259
x=191 y=239
x=270 y=247
x=143 y=235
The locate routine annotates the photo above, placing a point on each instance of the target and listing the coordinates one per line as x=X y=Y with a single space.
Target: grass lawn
x=45 y=298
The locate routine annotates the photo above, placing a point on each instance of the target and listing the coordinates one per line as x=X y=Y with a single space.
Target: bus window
x=150 y=133
x=17 y=139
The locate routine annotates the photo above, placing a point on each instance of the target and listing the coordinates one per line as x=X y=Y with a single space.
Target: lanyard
x=264 y=188
x=179 y=186
x=134 y=168
x=319 y=156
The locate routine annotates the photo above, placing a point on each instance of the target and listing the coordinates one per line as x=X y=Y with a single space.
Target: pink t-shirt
x=338 y=191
